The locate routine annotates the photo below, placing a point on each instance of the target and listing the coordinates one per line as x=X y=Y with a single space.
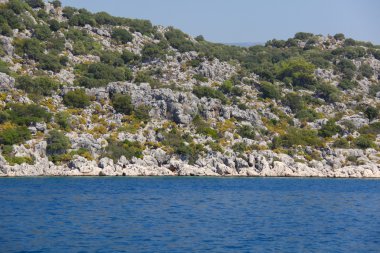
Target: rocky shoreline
x=258 y=164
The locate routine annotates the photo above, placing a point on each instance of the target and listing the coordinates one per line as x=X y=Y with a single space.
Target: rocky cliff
x=87 y=94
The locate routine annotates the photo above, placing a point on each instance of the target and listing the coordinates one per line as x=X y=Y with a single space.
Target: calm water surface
x=189 y=215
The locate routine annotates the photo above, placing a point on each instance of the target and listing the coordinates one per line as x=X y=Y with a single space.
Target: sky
x=250 y=20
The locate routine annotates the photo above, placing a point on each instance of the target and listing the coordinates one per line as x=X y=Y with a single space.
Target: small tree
x=371 y=113
x=122 y=103
x=122 y=35
x=76 y=98
x=57 y=144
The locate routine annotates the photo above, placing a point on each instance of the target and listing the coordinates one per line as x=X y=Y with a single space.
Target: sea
x=189 y=214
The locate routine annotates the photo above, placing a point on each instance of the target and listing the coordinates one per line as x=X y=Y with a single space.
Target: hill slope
x=92 y=94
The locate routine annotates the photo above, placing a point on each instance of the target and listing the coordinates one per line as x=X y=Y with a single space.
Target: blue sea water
x=189 y=215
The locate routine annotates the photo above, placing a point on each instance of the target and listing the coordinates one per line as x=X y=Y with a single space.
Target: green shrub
x=202 y=127
x=339 y=36
x=57 y=145
x=371 y=112
x=341 y=143
x=373 y=128
x=82 y=18
x=307 y=114
x=142 y=113
x=328 y=92
x=76 y=99
x=122 y=103
x=347 y=68
x=177 y=143
x=366 y=70
x=269 y=90
x=364 y=142
x=25 y=114
x=346 y=84
x=31 y=48
x=204 y=91
x=329 y=129
x=226 y=87
x=294 y=101
x=179 y=40
x=68 y=11
x=39 y=85
x=42 y=32
x=239 y=147
x=54 y=25
x=50 y=62
x=35 y=3
x=298 y=136
x=246 y=131
x=153 y=51
x=112 y=58
x=4 y=117
x=116 y=149
x=296 y=71
x=130 y=58
x=63 y=120
x=15 y=135
x=122 y=35
x=56 y=3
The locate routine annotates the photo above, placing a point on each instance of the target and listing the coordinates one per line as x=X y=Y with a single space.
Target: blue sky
x=251 y=20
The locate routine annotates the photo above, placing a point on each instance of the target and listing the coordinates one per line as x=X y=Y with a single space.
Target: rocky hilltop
x=84 y=94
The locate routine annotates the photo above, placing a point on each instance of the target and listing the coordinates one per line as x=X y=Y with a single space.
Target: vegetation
x=116 y=149
x=76 y=99
x=57 y=145
x=26 y=114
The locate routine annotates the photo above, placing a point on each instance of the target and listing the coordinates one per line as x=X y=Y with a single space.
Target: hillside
x=91 y=94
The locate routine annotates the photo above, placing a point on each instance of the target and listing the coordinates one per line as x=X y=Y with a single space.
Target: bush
x=129 y=57
x=303 y=36
x=373 y=128
x=42 y=32
x=203 y=91
x=179 y=40
x=328 y=92
x=347 y=84
x=142 y=113
x=364 y=142
x=35 y=3
x=24 y=114
x=153 y=51
x=76 y=99
x=341 y=143
x=122 y=35
x=347 y=68
x=371 y=112
x=107 y=73
x=307 y=114
x=54 y=25
x=116 y=149
x=366 y=70
x=202 y=127
x=50 y=62
x=112 y=58
x=329 y=129
x=122 y=103
x=296 y=71
x=39 y=85
x=63 y=120
x=176 y=142
x=56 y=3
x=339 y=36
x=57 y=145
x=32 y=48
x=294 y=101
x=246 y=131
x=15 y=135
x=298 y=136
x=239 y=147
x=269 y=90
x=81 y=19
